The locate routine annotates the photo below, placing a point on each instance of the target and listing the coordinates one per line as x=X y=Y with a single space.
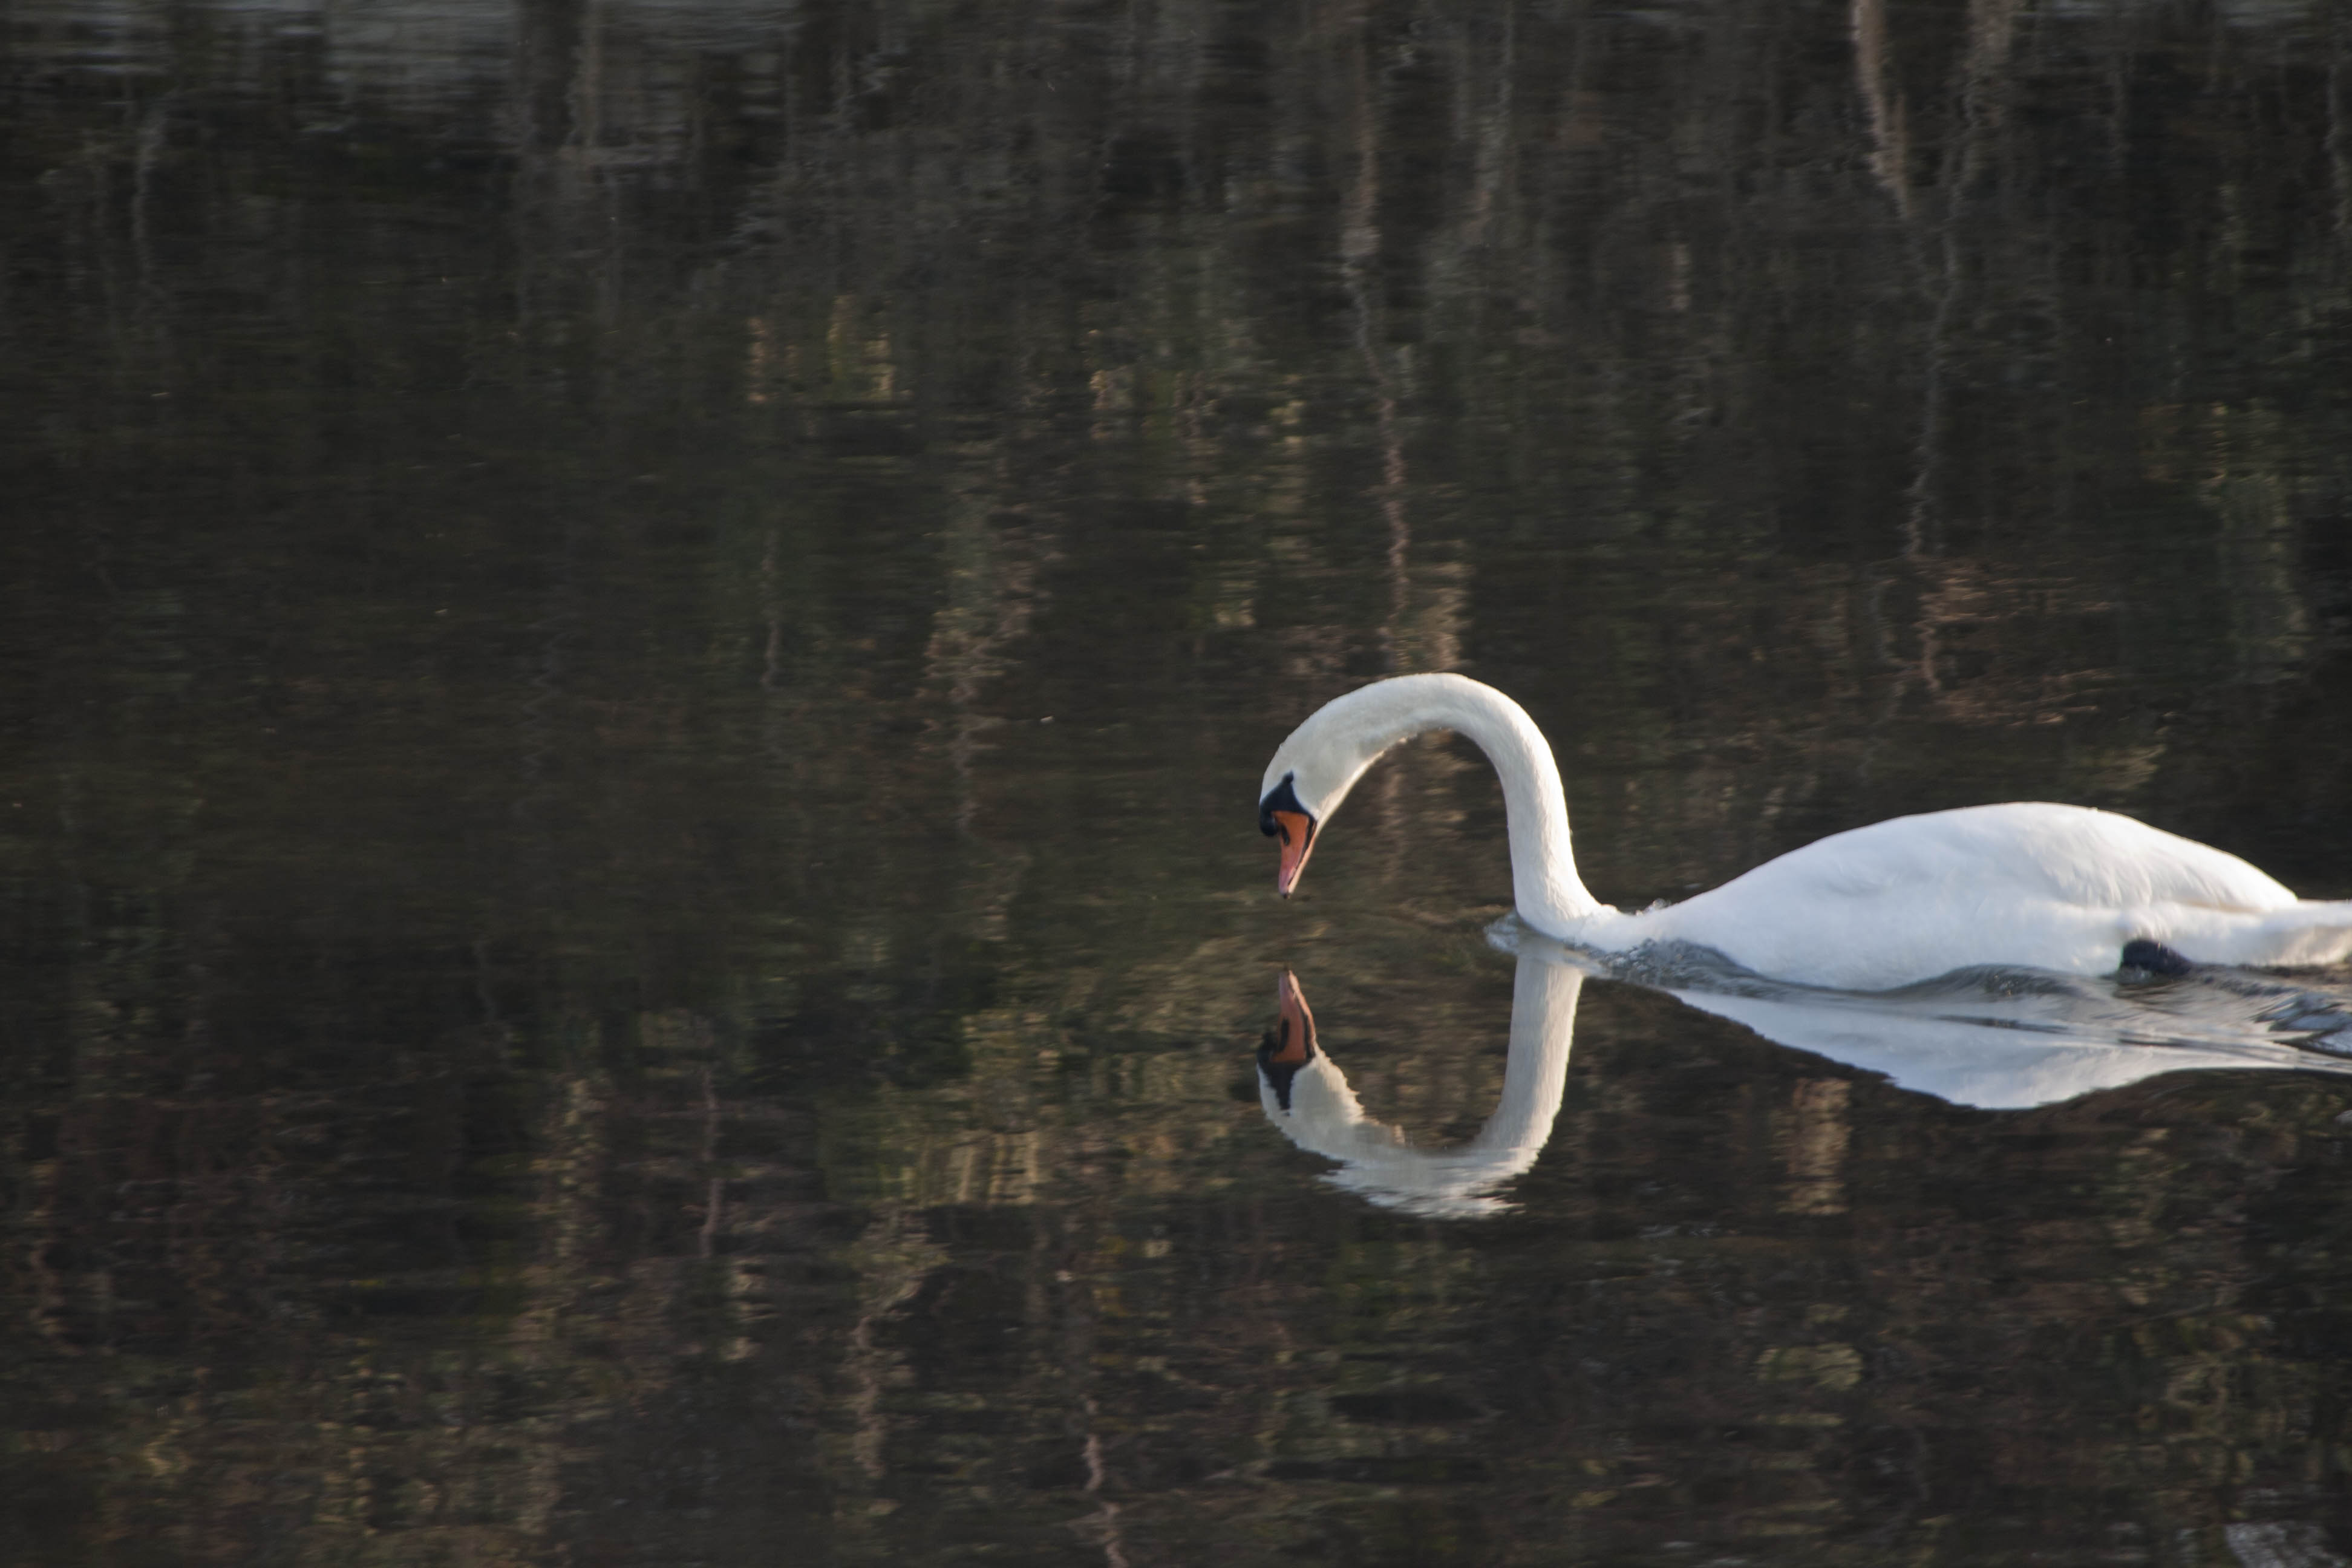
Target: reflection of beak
x=1297 y=831
x=1290 y=1043
x=1294 y=1029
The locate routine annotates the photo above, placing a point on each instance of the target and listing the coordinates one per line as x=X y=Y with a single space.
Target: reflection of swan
x=1308 y=1096
x=1986 y=1039
x=1994 y=1058
x=2007 y=1041
x=2024 y=885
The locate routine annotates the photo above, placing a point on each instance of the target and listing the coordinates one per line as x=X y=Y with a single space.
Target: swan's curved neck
x=1324 y=757
x=1550 y=896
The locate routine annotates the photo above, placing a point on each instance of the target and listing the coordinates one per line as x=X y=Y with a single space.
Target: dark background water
x=638 y=640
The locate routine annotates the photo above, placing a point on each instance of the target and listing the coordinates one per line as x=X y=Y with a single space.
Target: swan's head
x=1313 y=771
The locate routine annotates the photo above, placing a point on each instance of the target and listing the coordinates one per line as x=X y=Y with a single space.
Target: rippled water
x=635 y=645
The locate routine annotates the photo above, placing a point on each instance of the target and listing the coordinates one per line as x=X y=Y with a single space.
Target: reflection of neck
x=1325 y=1118
x=1535 y=1075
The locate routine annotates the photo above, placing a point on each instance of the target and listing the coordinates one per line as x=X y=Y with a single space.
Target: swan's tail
x=2307 y=934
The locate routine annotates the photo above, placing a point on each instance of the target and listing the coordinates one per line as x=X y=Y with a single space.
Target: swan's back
x=2027 y=883
x=2071 y=853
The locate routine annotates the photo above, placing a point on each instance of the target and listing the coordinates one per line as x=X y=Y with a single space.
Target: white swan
x=1306 y=1095
x=2052 y=887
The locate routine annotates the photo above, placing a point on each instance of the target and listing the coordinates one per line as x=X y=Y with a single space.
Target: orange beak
x=1298 y=832
x=1294 y=1029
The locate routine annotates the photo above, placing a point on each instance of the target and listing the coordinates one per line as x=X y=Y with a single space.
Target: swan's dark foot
x=2154 y=958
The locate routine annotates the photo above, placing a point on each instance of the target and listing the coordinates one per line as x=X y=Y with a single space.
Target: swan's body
x=2051 y=886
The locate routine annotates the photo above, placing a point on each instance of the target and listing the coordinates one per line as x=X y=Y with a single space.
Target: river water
x=636 y=647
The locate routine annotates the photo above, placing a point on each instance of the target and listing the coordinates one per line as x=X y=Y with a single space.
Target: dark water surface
x=635 y=644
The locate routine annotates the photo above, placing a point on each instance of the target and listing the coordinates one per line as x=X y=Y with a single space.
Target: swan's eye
x=1282 y=799
x=1279 y=815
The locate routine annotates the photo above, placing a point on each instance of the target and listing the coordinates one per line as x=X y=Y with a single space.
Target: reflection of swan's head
x=1303 y=1093
x=1290 y=1043
x=1315 y=768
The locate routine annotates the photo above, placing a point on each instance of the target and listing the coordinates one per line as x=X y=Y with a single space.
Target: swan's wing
x=2048 y=887
x=2015 y=854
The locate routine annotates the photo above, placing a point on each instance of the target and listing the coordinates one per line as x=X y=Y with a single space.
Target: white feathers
x=2026 y=884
